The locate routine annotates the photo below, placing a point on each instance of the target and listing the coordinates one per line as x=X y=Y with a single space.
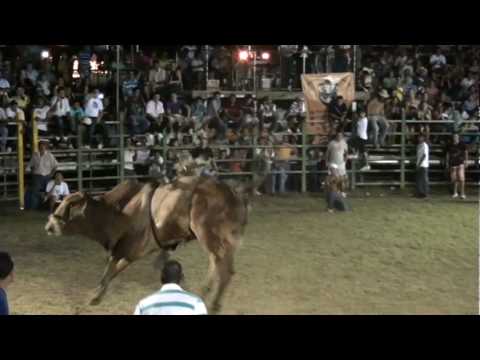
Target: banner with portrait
x=319 y=90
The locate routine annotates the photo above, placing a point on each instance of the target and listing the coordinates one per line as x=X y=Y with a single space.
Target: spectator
x=457 y=161
x=390 y=82
x=198 y=69
x=21 y=99
x=267 y=114
x=233 y=113
x=177 y=112
x=77 y=115
x=214 y=113
x=131 y=84
x=56 y=191
x=7 y=276
x=157 y=168
x=61 y=113
x=128 y=157
x=4 y=84
x=94 y=111
x=284 y=153
x=175 y=81
x=157 y=77
x=297 y=111
x=29 y=76
x=40 y=114
x=376 y=116
x=84 y=62
x=438 y=61
x=43 y=86
x=337 y=112
x=336 y=158
x=137 y=121
x=171 y=299
x=423 y=163
x=43 y=165
x=155 y=112
x=142 y=156
x=199 y=112
x=362 y=138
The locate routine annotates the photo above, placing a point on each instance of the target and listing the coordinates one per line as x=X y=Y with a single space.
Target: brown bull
x=135 y=219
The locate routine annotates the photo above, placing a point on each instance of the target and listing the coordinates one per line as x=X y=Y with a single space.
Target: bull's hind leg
x=225 y=270
x=207 y=288
x=113 y=268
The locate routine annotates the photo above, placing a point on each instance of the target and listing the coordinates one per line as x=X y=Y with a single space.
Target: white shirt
x=43 y=164
x=362 y=127
x=45 y=85
x=128 y=159
x=12 y=114
x=41 y=115
x=4 y=84
x=438 y=60
x=31 y=75
x=155 y=109
x=93 y=107
x=157 y=76
x=58 y=190
x=171 y=300
x=421 y=150
x=62 y=108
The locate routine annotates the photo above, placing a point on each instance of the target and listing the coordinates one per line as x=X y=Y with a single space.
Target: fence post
x=79 y=160
x=34 y=134
x=304 y=159
x=21 y=167
x=403 y=154
x=119 y=118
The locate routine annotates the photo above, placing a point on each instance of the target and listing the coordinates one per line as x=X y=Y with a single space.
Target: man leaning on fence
x=43 y=165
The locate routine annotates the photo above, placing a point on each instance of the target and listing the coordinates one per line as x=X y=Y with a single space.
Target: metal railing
x=98 y=170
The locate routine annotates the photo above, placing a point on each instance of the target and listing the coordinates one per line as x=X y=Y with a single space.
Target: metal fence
x=97 y=170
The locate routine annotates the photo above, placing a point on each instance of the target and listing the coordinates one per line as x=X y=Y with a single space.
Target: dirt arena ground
x=391 y=255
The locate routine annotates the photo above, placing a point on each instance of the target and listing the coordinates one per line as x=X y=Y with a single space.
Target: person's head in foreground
x=171 y=299
x=6 y=278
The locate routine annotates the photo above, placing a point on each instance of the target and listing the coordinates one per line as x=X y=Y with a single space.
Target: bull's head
x=69 y=216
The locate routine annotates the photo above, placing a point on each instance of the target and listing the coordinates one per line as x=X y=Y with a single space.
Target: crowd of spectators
x=428 y=84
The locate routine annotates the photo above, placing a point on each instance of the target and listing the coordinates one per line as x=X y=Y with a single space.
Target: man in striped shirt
x=171 y=299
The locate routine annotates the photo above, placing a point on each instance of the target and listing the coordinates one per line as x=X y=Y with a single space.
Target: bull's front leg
x=114 y=267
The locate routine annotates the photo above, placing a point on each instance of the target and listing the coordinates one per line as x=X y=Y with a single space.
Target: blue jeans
x=280 y=176
x=39 y=185
x=60 y=122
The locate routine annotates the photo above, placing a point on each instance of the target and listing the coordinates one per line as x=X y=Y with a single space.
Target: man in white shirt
x=56 y=191
x=336 y=157
x=40 y=114
x=423 y=163
x=362 y=138
x=93 y=111
x=438 y=61
x=42 y=164
x=61 y=113
x=154 y=112
x=157 y=77
x=4 y=84
x=171 y=299
x=29 y=74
